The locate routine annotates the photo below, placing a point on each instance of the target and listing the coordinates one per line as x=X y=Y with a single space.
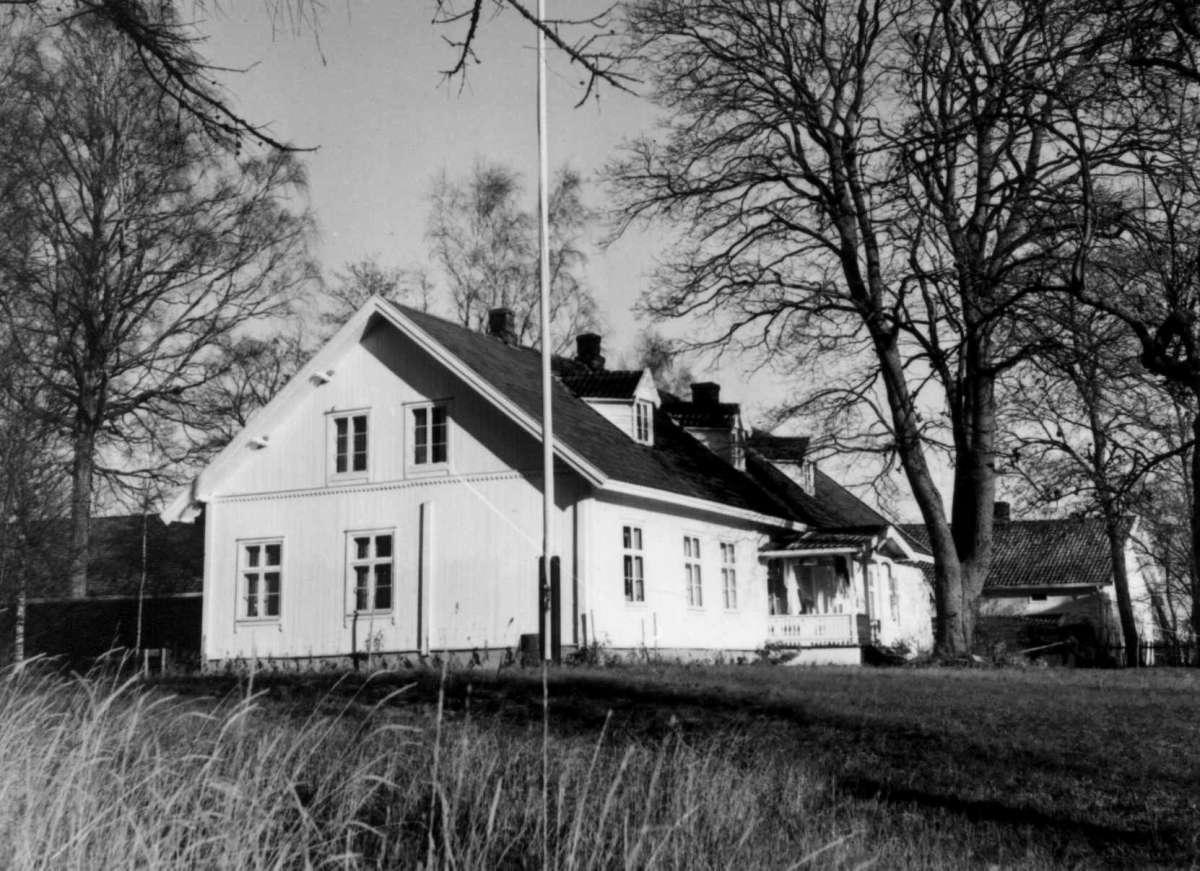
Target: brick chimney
x=706 y=393
x=587 y=351
x=1002 y=512
x=502 y=325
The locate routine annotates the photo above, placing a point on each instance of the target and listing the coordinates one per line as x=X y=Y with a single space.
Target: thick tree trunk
x=1195 y=528
x=82 y=470
x=1116 y=550
x=957 y=582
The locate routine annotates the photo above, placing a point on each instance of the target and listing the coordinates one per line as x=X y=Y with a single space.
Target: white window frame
x=643 y=422
x=371 y=561
x=410 y=447
x=350 y=473
x=893 y=593
x=259 y=569
x=693 y=572
x=729 y=589
x=633 y=563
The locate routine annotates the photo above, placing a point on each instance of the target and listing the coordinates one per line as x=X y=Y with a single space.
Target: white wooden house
x=389 y=500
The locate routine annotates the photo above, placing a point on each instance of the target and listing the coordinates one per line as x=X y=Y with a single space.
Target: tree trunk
x=82 y=469
x=1116 y=550
x=1195 y=528
x=955 y=587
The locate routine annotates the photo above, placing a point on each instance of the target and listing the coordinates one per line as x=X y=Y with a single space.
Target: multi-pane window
x=893 y=594
x=350 y=444
x=261 y=571
x=371 y=570
x=430 y=442
x=729 y=575
x=642 y=412
x=691 y=569
x=635 y=577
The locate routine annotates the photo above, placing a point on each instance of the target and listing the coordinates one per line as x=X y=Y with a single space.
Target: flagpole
x=544 y=291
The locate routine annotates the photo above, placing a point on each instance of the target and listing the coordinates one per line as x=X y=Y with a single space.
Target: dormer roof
x=618 y=384
x=788 y=449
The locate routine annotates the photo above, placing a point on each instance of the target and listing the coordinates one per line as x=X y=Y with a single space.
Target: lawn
x=636 y=767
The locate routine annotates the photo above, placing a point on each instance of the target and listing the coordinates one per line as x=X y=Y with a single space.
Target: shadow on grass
x=1077 y=808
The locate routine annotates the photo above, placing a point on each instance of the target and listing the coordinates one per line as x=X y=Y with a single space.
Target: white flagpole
x=544 y=288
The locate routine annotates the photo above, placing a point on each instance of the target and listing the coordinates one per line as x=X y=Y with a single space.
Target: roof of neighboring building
x=603 y=384
x=174 y=557
x=676 y=463
x=1043 y=553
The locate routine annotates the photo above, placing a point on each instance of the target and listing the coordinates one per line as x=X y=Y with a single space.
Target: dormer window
x=643 y=416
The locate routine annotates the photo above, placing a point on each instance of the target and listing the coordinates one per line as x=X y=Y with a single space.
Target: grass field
x=644 y=767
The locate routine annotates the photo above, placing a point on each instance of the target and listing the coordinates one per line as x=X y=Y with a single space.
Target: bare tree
x=878 y=175
x=485 y=245
x=662 y=356
x=1086 y=426
x=142 y=247
x=1152 y=253
x=357 y=282
x=166 y=48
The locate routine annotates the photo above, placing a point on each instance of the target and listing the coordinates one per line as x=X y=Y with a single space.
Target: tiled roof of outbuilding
x=1043 y=553
x=676 y=463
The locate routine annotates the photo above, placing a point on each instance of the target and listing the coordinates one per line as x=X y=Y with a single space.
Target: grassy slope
x=648 y=767
x=1094 y=767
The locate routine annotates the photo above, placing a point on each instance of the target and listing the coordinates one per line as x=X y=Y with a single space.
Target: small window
x=370 y=563
x=729 y=575
x=430 y=436
x=261 y=572
x=691 y=570
x=1038 y=597
x=893 y=593
x=643 y=422
x=634 y=564
x=350 y=444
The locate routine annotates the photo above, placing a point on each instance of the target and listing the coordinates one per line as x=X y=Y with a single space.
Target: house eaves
x=261 y=423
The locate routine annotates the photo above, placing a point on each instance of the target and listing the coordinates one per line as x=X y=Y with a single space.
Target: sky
x=365 y=89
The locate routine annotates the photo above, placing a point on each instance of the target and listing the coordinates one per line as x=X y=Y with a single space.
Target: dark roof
x=676 y=463
x=174 y=557
x=1043 y=553
x=717 y=415
x=829 y=506
x=792 y=449
x=604 y=384
x=820 y=540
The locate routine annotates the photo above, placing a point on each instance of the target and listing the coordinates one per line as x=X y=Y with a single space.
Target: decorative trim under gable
x=377 y=487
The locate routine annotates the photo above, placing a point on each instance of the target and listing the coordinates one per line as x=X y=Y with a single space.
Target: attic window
x=429 y=436
x=349 y=444
x=643 y=431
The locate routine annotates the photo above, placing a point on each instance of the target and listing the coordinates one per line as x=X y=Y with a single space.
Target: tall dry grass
x=99 y=774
